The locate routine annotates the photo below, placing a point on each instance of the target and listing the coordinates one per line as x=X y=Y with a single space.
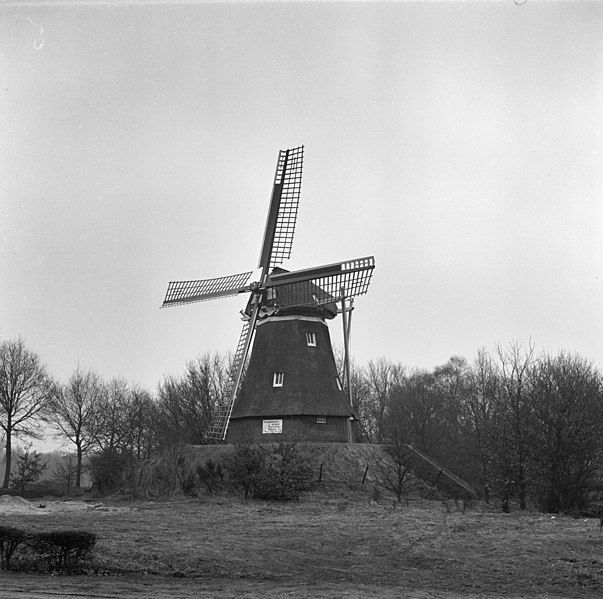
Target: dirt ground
x=326 y=545
x=170 y=589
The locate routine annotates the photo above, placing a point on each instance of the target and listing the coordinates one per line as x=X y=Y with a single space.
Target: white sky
x=460 y=144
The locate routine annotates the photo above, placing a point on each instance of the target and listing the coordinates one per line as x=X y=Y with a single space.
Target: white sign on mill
x=272 y=426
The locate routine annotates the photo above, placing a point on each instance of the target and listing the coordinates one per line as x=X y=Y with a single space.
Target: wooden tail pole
x=346 y=362
x=346 y=347
x=351 y=308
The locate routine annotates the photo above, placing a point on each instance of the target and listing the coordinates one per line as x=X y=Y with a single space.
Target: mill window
x=277 y=379
x=311 y=338
x=321 y=420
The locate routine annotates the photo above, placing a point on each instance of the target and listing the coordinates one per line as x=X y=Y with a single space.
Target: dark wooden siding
x=310 y=375
x=301 y=428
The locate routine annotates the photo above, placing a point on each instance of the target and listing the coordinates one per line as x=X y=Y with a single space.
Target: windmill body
x=291 y=389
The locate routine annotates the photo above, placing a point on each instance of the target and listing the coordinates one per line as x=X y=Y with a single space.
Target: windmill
x=291 y=389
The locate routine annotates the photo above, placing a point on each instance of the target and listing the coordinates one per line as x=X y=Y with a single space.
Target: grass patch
x=344 y=537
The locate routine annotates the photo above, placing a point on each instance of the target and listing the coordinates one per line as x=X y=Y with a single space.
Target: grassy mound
x=357 y=467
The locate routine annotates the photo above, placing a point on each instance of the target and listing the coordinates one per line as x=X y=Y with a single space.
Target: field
x=334 y=542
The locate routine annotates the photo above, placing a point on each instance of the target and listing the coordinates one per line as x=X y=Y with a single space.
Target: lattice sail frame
x=283 y=208
x=290 y=178
x=323 y=284
x=186 y=292
x=221 y=414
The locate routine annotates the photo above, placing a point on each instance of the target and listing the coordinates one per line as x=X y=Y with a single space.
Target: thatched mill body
x=291 y=390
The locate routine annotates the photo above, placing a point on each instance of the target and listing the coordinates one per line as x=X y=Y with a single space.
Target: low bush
x=58 y=551
x=110 y=469
x=280 y=472
x=44 y=488
x=244 y=466
x=210 y=475
x=286 y=474
x=187 y=480
x=10 y=539
x=188 y=484
x=63 y=549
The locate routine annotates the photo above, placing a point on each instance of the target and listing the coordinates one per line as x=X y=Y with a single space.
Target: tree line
x=112 y=422
x=518 y=426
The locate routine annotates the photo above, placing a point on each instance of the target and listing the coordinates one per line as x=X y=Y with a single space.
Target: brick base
x=294 y=428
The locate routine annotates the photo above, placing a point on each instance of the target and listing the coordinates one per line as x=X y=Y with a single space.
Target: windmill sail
x=282 y=213
x=187 y=292
x=221 y=415
x=322 y=284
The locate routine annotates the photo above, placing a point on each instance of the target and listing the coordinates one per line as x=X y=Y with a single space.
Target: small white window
x=277 y=379
x=321 y=420
x=311 y=338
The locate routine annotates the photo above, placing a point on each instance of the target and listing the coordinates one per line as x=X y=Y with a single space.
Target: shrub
x=391 y=470
x=10 y=539
x=210 y=475
x=286 y=474
x=187 y=480
x=109 y=468
x=44 y=488
x=244 y=465
x=188 y=484
x=63 y=549
x=29 y=470
x=281 y=473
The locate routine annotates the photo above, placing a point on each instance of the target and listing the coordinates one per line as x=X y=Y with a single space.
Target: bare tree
x=112 y=428
x=26 y=392
x=185 y=404
x=173 y=421
x=451 y=382
x=496 y=421
x=383 y=377
x=477 y=418
x=204 y=381
x=515 y=365
x=113 y=462
x=66 y=470
x=391 y=467
x=365 y=426
x=141 y=415
x=416 y=414
x=568 y=447
x=75 y=412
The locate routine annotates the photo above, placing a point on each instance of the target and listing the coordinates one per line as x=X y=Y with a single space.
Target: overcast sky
x=461 y=144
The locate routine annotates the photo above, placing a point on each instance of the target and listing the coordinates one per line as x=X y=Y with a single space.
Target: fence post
x=365 y=473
